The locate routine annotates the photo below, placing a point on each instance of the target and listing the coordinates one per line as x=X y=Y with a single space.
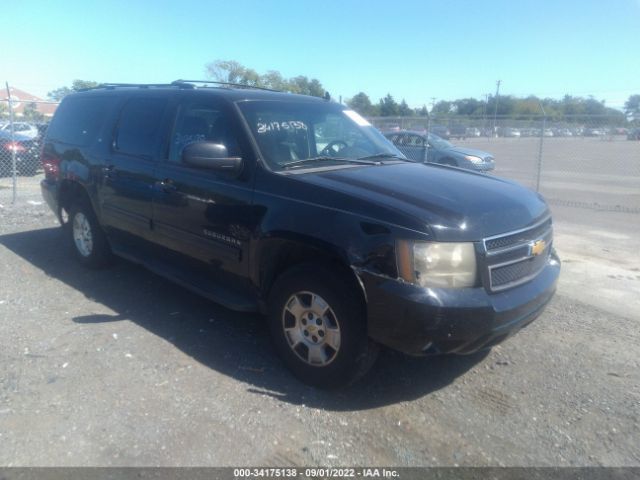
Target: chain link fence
x=581 y=160
x=23 y=124
x=589 y=161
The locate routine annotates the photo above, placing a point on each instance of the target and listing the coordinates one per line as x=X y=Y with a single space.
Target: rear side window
x=139 y=126
x=78 y=120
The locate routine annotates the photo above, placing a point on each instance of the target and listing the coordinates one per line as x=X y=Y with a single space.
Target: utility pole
x=485 y=107
x=12 y=139
x=495 y=111
x=426 y=143
x=433 y=102
x=539 y=173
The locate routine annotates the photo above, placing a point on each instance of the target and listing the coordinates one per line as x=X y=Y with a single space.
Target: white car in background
x=23 y=128
x=510 y=132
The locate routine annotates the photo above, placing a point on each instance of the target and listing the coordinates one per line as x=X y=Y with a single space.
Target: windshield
x=437 y=142
x=294 y=134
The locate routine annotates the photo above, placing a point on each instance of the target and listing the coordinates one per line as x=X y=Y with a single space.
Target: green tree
x=468 y=106
x=273 y=79
x=226 y=71
x=506 y=105
x=315 y=88
x=632 y=107
x=361 y=103
x=443 y=106
x=77 y=85
x=593 y=106
x=388 y=106
x=31 y=113
x=404 y=110
x=528 y=106
x=59 y=93
x=304 y=86
x=230 y=71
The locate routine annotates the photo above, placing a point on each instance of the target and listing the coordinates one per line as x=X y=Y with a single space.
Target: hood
x=470 y=151
x=453 y=204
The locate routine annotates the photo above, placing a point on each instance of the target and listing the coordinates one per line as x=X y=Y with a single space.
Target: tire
x=86 y=236
x=336 y=350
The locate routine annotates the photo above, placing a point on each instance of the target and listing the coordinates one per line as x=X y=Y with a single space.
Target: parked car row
x=461 y=132
x=562 y=132
x=25 y=144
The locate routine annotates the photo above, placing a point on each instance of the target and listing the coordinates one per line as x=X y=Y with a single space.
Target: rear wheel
x=318 y=324
x=87 y=237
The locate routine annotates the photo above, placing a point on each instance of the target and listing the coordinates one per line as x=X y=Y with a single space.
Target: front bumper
x=421 y=321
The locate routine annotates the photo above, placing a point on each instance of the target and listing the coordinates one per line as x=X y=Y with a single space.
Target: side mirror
x=212 y=156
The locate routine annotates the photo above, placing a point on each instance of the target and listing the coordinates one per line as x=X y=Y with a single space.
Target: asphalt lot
x=594 y=172
x=121 y=368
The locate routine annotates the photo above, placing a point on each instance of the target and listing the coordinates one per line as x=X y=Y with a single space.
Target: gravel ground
x=121 y=368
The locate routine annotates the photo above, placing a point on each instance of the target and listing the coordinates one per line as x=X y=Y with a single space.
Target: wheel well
x=291 y=254
x=70 y=193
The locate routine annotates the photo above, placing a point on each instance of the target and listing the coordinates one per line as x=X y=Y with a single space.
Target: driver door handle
x=109 y=172
x=166 y=185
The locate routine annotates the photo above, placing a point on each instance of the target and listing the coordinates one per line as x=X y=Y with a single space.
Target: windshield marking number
x=280 y=126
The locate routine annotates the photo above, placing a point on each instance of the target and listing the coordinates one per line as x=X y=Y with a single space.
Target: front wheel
x=87 y=237
x=318 y=324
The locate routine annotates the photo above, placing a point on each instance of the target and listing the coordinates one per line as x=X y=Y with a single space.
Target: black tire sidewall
x=347 y=306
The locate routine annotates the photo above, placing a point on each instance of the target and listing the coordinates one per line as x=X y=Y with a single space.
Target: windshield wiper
x=385 y=155
x=325 y=158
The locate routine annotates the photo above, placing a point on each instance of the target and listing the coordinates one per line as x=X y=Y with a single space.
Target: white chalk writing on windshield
x=281 y=126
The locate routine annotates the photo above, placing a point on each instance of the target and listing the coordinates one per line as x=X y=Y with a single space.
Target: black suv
x=298 y=208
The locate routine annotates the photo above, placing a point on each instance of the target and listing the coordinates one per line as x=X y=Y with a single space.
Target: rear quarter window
x=139 y=126
x=78 y=120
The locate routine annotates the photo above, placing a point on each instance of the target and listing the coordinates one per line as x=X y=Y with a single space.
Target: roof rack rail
x=176 y=83
x=110 y=85
x=181 y=82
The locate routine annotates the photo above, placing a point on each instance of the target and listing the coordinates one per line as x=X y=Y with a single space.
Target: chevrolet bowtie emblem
x=537 y=247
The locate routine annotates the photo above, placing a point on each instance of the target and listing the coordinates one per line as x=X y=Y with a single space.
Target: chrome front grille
x=518 y=237
x=518 y=272
x=514 y=258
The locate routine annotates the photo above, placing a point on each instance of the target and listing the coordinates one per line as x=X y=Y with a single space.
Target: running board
x=199 y=283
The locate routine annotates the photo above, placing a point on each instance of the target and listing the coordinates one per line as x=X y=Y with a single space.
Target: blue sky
x=412 y=49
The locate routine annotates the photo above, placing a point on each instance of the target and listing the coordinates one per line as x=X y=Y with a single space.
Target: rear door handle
x=166 y=185
x=109 y=172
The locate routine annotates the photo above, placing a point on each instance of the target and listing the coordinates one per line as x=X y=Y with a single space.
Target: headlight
x=435 y=264
x=473 y=159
